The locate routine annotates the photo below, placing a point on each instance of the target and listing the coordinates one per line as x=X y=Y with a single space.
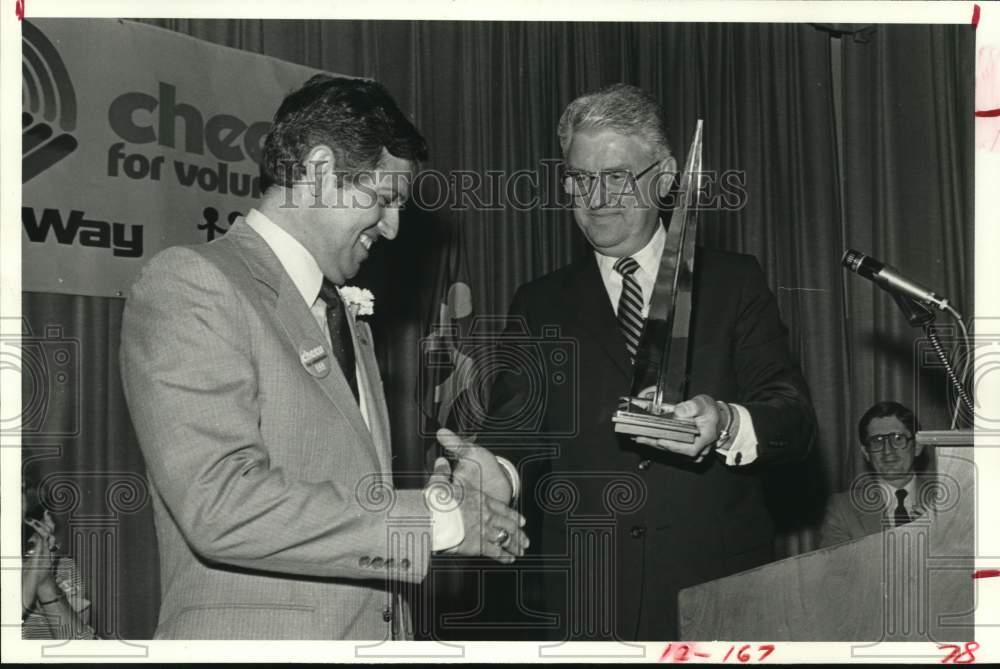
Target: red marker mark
x=958 y=654
x=989 y=113
x=743 y=654
x=683 y=650
x=986 y=573
x=19 y=9
x=680 y=652
x=975 y=16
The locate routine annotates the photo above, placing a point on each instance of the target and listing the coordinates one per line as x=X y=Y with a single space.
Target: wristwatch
x=730 y=425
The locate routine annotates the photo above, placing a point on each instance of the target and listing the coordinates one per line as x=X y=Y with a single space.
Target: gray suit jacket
x=273 y=500
x=844 y=521
x=859 y=512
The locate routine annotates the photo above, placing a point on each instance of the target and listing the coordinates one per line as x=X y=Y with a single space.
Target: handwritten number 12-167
x=682 y=652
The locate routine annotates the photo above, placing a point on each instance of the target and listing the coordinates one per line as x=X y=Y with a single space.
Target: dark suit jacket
x=618 y=527
x=273 y=500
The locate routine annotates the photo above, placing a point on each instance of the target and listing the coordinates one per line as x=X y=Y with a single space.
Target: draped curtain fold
x=488 y=97
x=908 y=200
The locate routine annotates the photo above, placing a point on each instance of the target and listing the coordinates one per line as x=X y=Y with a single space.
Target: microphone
x=888 y=278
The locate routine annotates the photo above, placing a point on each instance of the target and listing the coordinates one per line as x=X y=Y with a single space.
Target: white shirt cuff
x=743 y=448
x=511 y=471
x=447 y=530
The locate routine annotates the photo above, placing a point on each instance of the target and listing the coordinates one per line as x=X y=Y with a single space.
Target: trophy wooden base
x=638 y=417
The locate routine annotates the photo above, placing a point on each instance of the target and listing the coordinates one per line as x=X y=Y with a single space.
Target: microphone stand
x=918 y=315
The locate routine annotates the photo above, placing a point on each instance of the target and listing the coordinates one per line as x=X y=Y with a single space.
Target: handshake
x=471 y=502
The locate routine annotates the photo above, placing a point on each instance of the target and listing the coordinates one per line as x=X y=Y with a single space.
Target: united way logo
x=48 y=105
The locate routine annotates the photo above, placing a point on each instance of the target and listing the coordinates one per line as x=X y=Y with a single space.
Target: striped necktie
x=630 y=305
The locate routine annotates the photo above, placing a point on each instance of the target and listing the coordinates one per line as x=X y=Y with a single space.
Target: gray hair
x=624 y=108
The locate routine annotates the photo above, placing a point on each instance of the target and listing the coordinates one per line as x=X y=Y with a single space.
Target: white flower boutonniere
x=360 y=300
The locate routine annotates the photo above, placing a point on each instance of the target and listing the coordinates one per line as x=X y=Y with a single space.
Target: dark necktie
x=901 y=516
x=630 y=305
x=340 y=332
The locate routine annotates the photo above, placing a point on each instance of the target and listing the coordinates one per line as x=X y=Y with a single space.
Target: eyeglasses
x=877 y=442
x=580 y=183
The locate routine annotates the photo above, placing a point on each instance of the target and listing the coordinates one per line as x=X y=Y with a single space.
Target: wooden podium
x=910 y=583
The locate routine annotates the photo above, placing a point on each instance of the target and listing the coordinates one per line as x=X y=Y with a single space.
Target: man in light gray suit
x=257 y=400
x=896 y=491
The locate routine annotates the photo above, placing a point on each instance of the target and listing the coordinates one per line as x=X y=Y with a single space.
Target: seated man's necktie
x=630 y=319
x=901 y=516
x=340 y=332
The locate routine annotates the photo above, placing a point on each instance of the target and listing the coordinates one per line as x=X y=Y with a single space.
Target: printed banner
x=134 y=138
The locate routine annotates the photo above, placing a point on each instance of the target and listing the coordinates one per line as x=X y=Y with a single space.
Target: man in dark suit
x=895 y=491
x=624 y=525
x=253 y=386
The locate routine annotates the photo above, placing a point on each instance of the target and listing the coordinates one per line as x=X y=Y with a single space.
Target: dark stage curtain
x=83 y=452
x=488 y=96
x=908 y=200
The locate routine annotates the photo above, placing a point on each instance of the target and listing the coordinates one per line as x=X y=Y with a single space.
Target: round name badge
x=315 y=359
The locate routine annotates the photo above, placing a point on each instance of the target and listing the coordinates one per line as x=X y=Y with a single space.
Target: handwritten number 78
x=960 y=655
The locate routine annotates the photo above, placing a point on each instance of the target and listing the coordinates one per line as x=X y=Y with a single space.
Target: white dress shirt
x=448 y=530
x=743 y=448
x=305 y=273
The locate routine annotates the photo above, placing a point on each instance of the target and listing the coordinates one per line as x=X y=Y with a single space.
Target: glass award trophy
x=662 y=355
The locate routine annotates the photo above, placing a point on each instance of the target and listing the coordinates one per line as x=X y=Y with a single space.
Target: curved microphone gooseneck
x=914 y=299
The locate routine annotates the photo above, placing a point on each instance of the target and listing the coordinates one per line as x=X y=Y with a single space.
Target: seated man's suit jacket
x=844 y=521
x=860 y=512
x=667 y=523
x=273 y=500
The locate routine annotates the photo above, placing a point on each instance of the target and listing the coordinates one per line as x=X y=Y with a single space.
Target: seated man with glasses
x=896 y=461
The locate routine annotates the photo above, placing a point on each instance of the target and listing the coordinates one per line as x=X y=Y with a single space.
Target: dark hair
x=31 y=478
x=885 y=409
x=356 y=118
x=33 y=506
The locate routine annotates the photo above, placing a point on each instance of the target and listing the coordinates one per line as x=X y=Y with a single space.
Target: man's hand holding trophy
x=658 y=415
